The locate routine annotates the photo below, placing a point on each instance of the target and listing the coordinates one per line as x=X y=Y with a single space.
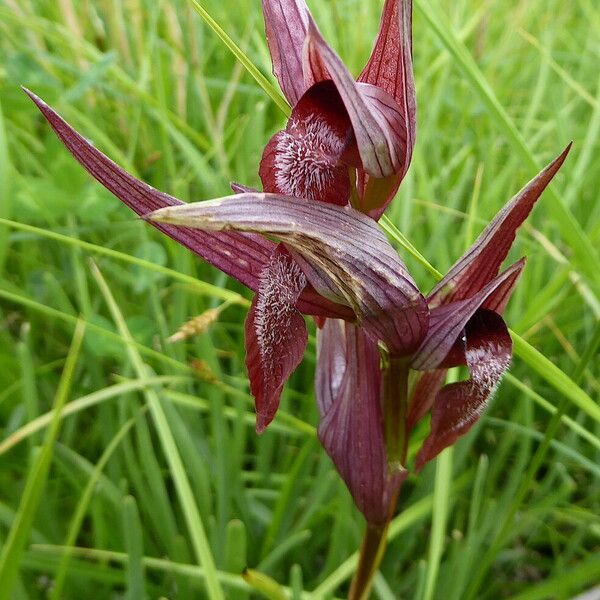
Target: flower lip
x=305 y=160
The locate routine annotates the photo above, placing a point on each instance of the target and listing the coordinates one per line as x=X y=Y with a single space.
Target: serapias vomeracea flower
x=346 y=141
x=327 y=178
x=465 y=327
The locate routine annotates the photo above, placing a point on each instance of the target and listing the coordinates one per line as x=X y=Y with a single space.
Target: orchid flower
x=346 y=143
x=346 y=140
x=466 y=326
x=327 y=178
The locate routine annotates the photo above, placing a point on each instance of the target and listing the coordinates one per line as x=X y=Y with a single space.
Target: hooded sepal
x=240 y=255
x=346 y=247
x=286 y=23
x=351 y=428
x=458 y=406
x=376 y=118
x=480 y=264
x=276 y=334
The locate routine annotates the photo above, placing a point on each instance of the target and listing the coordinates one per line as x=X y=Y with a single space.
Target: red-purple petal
x=459 y=405
x=390 y=69
x=390 y=64
x=346 y=246
x=276 y=334
x=304 y=160
x=240 y=255
x=351 y=428
x=286 y=23
x=448 y=321
x=376 y=117
x=480 y=264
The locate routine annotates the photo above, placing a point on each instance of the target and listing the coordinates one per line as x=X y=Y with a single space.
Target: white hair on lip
x=281 y=283
x=306 y=157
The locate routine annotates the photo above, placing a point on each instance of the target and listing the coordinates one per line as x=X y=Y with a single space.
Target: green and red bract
x=309 y=244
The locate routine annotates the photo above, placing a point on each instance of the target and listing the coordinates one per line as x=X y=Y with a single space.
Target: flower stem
x=395 y=406
x=371 y=553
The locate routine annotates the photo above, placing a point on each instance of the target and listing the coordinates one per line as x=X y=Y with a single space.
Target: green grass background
x=153 y=476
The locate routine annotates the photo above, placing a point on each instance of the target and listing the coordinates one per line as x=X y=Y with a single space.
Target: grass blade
x=180 y=479
x=12 y=551
x=240 y=55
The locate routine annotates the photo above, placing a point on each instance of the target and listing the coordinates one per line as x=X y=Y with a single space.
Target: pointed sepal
x=480 y=264
x=286 y=23
x=347 y=247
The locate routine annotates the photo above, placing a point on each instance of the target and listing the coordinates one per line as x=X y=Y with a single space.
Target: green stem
x=371 y=553
x=395 y=406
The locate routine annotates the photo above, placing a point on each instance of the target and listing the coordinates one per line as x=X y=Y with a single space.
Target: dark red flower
x=327 y=177
x=346 y=140
x=466 y=326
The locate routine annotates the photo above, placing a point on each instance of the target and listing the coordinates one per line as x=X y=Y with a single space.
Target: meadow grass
x=150 y=482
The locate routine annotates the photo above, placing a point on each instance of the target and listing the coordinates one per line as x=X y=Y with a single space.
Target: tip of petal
x=262 y=422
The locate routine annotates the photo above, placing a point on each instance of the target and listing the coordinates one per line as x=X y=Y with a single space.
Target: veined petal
x=286 y=23
x=480 y=264
x=458 y=406
x=240 y=255
x=448 y=321
x=376 y=117
x=390 y=65
x=276 y=334
x=351 y=428
x=331 y=363
x=343 y=243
